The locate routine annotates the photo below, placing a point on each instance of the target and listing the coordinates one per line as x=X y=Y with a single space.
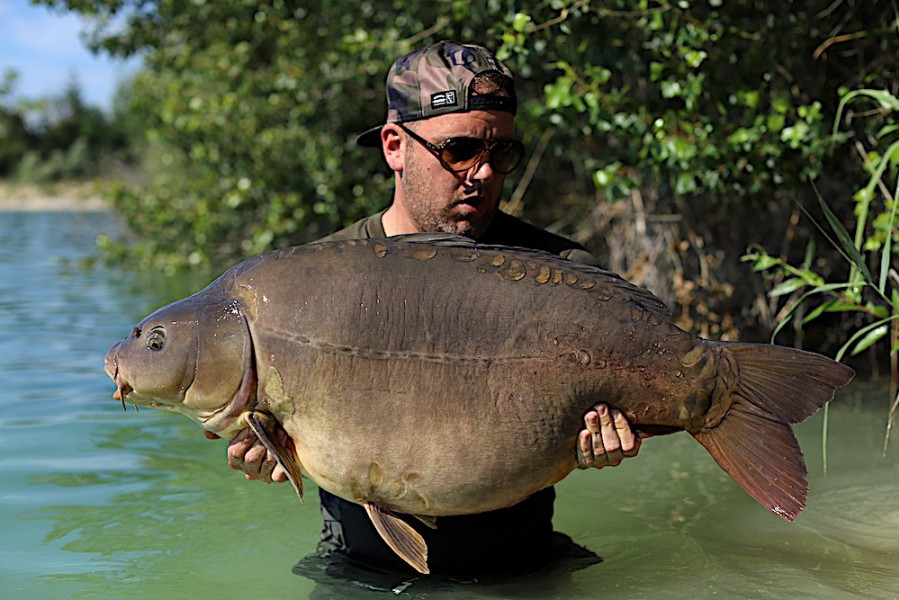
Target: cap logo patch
x=441 y=99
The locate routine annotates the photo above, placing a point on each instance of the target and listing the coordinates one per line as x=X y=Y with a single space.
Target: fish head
x=194 y=357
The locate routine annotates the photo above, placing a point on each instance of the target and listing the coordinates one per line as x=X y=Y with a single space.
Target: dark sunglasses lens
x=505 y=156
x=461 y=153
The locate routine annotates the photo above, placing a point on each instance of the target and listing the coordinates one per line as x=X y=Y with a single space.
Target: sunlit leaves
x=696 y=101
x=876 y=229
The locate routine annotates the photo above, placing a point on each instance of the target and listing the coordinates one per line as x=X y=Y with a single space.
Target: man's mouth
x=470 y=203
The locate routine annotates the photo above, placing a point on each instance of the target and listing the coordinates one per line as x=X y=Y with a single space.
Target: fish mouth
x=111 y=366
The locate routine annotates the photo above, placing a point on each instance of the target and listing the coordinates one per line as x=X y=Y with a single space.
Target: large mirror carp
x=402 y=367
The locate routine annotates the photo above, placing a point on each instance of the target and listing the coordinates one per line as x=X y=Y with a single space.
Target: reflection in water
x=97 y=503
x=337 y=580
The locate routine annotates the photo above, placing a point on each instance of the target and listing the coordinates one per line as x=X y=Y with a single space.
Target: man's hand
x=606 y=439
x=246 y=453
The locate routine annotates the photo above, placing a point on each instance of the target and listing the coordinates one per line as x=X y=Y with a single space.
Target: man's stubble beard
x=429 y=215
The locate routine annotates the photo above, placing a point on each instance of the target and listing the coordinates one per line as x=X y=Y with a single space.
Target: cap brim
x=371 y=138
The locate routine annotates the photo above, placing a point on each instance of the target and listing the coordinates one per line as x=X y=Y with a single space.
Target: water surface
x=100 y=503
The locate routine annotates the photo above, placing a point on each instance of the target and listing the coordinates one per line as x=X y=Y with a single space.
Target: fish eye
x=156 y=340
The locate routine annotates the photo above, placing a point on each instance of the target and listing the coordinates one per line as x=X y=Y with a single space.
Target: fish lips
x=111 y=366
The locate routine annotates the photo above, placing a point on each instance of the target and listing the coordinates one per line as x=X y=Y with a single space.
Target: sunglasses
x=459 y=154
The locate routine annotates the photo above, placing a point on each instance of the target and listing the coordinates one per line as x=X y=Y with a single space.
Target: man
x=450 y=140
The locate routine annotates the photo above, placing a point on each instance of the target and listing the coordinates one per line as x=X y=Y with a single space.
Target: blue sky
x=46 y=49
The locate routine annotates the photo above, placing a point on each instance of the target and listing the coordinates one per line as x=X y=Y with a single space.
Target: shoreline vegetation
x=758 y=203
x=82 y=196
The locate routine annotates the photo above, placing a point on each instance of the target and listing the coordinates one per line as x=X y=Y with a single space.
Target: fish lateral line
x=365 y=352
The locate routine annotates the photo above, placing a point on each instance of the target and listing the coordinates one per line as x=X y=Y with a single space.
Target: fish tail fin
x=754 y=443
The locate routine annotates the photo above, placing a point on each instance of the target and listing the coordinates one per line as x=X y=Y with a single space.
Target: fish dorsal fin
x=263 y=425
x=399 y=535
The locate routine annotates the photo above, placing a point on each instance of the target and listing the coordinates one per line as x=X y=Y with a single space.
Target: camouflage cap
x=436 y=80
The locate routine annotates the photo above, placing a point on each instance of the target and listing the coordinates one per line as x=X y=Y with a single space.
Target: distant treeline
x=667 y=136
x=61 y=137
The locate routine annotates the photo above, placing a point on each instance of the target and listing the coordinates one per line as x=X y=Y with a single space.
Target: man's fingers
x=238 y=447
x=630 y=443
x=584 y=449
x=591 y=421
x=246 y=453
x=279 y=474
x=608 y=428
x=607 y=438
x=256 y=458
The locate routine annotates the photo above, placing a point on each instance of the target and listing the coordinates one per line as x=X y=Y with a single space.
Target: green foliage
x=696 y=97
x=717 y=108
x=15 y=139
x=54 y=139
x=870 y=287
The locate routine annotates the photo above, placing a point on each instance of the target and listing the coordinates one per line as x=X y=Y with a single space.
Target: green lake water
x=100 y=503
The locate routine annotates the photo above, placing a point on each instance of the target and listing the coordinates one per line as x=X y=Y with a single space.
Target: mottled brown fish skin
x=473 y=348
x=432 y=376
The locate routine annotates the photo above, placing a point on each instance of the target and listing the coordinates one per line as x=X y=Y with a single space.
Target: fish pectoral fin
x=400 y=536
x=266 y=427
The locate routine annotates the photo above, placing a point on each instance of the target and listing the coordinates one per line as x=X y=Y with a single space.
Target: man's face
x=439 y=200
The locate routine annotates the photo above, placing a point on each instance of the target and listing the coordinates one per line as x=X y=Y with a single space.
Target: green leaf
x=870 y=339
x=846 y=244
x=886 y=100
x=863 y=332
x=887 y=130
x=831 y=307
x=520 y=22
x=831 y=287
x=887 y=250
x=762 y=262
x=799 y=302
x=787 y=287
x=817 y=312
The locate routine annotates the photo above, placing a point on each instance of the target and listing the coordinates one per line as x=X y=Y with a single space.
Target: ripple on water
x=864 y=516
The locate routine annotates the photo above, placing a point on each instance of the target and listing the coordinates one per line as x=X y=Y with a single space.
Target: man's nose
x=483 y=169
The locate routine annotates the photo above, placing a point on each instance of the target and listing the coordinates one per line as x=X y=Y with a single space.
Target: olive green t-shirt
x=505 y=230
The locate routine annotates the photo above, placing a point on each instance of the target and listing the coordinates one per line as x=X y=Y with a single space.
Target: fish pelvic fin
x=428 y=521
x=754 y=442
x=266 y=427
x=400 y=536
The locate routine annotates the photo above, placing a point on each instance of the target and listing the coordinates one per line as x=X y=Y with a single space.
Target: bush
x=669 y=135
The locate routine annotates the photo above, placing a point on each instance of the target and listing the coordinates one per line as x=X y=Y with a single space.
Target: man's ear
x=393 y=145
